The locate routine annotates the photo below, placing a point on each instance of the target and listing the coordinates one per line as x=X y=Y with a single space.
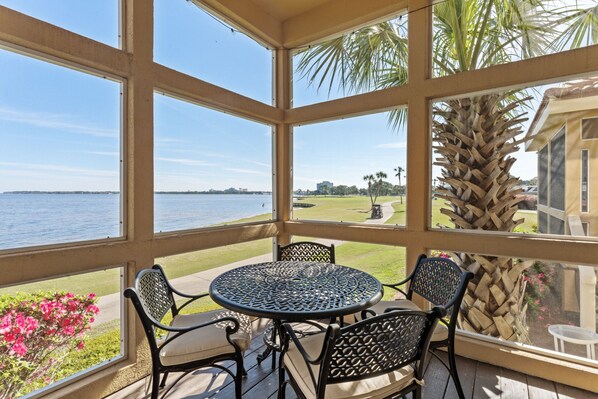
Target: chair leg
x=417 y=393
x=163 y=383
x=155 y=383
x=453 y=371
x=239 y=377
x=282 y=384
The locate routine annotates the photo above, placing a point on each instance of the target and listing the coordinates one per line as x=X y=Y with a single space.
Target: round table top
x=573 y=334
x=295 y=291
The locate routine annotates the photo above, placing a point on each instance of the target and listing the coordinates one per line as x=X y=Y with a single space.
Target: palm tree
x=380 y=176
x=399 y=171
x=371 y=181
x=473 y=136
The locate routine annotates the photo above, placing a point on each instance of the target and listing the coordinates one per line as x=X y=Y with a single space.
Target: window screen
x=557 y=226
x=542 y=223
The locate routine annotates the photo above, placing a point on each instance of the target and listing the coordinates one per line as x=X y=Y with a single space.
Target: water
x=41 y=219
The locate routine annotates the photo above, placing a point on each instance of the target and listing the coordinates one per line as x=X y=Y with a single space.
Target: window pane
x=589 y=128
x=513 y=161
x=543 y=176
x=476 y=34
x=557 y=172
x=72 y=324
x=533 y=303
x=345 y=167
x=584 y=179
x=210 y=168
x=368 y=59
x=59 y=154
x=190 y=40
x=98 y=20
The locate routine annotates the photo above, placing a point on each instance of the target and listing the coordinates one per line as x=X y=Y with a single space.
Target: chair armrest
x=332 y=332
x=230 y=330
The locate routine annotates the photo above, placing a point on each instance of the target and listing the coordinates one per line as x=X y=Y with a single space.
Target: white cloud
x=54 y=121
x=265 y=165
x=103 y=153
x=184 y=161
x=396 y=144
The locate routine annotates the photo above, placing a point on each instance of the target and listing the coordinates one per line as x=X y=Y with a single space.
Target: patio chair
x=306 y=251
x=379 y=357
x=190 y=341
x=442 y=283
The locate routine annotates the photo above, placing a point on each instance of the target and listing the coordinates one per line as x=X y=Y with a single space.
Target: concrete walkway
x=199 y=282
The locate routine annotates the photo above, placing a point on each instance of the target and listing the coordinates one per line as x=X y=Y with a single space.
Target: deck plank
x=568 y=392
x=487 y=382
x=466 y=369
x=539 y=388
x=435 y=379
x=513 y=385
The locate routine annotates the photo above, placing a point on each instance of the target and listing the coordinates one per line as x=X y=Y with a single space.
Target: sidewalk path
x=199 y=282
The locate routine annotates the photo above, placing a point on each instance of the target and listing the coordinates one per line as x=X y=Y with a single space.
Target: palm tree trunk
x=474 y=137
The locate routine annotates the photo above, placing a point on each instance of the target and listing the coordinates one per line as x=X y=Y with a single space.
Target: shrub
x=37 y=331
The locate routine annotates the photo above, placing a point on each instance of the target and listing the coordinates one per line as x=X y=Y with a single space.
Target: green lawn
x=338 y=209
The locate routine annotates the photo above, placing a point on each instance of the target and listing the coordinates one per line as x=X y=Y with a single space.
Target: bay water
x=42 y=218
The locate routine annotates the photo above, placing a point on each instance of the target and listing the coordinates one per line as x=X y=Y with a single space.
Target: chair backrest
x=440 y=281
x=379 y=345
x=307 y=252
x=152 y=297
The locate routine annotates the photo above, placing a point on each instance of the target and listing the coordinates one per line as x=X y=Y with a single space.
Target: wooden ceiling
x=294 y=23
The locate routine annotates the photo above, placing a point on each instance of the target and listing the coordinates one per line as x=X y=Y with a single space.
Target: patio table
x=295 y=292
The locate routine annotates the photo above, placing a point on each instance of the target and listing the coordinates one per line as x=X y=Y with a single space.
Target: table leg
x=271 y=349
x=556 y=344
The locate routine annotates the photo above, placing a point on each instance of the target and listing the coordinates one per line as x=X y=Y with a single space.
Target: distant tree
x=399 y=171
x=380 y=176
x=353 y=190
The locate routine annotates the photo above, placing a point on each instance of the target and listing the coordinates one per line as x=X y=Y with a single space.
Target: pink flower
x=19 y=348
x=91 y=296
x=80 y=345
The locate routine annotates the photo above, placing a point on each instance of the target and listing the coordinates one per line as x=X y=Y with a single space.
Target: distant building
x=564 y=133
x=324 y=186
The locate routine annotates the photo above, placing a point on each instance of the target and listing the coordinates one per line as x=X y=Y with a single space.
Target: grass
x=338 y=209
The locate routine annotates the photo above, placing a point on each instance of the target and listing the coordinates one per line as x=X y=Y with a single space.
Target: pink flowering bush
x=540 y=281
x=36 y=332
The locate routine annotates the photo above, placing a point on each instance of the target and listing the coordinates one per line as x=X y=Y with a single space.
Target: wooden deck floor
x=479 y=380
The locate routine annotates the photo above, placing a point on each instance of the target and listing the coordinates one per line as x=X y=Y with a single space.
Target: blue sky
x=60 y=128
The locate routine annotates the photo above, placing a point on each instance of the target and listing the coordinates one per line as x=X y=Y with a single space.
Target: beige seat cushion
x=375 y=387
x=440 y=332
x=204 y=342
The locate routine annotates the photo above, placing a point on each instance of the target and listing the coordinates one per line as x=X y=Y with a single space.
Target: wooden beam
x=176 y=243
x=336 y=17
x=46 y=41
x=361 y=104
x=535 y=71
x=180 y=85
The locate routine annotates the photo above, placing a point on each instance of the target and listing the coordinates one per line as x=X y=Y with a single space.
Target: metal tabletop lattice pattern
x=292 y=290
